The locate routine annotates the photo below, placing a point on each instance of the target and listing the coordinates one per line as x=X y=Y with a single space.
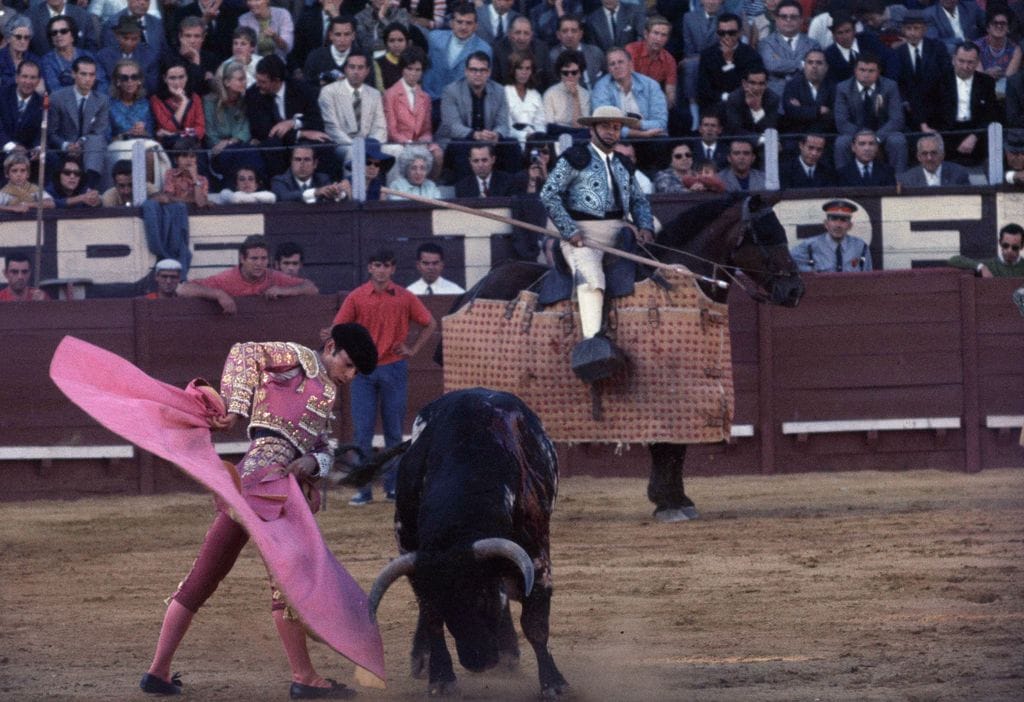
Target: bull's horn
x=403 y=565
x=491 y=548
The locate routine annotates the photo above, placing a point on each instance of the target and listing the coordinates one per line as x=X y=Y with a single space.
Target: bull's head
x=464 y=587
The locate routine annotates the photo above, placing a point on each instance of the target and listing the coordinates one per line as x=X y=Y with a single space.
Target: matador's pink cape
x=172 y=424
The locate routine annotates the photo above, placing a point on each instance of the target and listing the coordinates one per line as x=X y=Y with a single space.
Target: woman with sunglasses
x=566 y=101
x=683 y=175
x=130 y=117
x=17 y=35
x=1000 y=57
x=68 y=187
x=227 y=125
x=62 y=33
x=525 y=105
x=177 y=111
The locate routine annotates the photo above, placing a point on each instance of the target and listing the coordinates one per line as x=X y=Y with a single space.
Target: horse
x=736 y=239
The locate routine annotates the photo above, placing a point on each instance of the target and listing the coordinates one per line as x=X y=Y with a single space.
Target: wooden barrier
x=888 y=371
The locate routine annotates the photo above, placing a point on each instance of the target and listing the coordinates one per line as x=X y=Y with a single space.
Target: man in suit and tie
x=699 y=28
x=474 y=109
x=870 y=102
x=933 y=172
x=955 y=21
x=40 y=15
x=711 y=147
x=847 y=45
x=485 y=181
x=494 y=20
x=614 y=24
x=303 y=183
x=281 y=112
x=783 y=51
x=807 y=169
x=969 y=104
x=808 y=98
x=325 y=64
x=864 y=170
x=351 y=109
x=741 y=176
x=922 y=68
x=21 y=109
x=128 y=45
x=546 y=17
x=450 y=48
x=753 y=107
x=80 y=119
x=151 y=27
x=570 y=38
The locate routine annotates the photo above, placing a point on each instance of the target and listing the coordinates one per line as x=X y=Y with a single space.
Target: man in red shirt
x=651 y=59
x=18 y=272
x=385 y=309
x=252 y=276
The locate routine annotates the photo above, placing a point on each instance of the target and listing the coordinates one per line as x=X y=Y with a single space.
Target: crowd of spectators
x=467 y=98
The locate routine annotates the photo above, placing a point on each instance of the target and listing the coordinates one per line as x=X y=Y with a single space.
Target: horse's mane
x=698 y=222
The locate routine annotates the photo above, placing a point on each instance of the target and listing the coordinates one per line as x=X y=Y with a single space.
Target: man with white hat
x=167 y=274
x=591 y=194
x=834 y=251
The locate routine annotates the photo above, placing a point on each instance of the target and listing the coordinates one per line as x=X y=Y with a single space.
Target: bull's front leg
x=429 y=653
x=535 y=622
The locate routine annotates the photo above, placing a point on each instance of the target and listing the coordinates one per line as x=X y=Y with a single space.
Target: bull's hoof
x=448 y=688
x=418 y=665
x=676 y=514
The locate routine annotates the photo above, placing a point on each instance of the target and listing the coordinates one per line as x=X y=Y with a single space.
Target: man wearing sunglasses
x=834 y=251
x=783 y=50
x=1007 y=262
x=723 y=65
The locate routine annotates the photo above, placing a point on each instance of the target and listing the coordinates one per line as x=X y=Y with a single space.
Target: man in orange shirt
x=385 y=309
x=252 y=276
x=652 y=60
x=18 y=271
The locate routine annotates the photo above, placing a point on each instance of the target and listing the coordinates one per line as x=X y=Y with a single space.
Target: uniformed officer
x=835 y=251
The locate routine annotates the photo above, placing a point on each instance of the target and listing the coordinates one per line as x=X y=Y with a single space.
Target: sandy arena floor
x=848 y=586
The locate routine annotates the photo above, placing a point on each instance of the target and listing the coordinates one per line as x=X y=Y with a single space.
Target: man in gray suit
x=474 y=109
x=494 y=20
x=869 y=101
x=933 y=172
x=740 y=176
x=79 y=120
x=614 y=24
x=570 y=38
x=783 y=51
x=967 y=17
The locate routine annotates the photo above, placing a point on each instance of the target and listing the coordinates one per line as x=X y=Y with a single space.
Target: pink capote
x=172 y=424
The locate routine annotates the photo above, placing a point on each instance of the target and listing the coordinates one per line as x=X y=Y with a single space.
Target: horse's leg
x=665 y=486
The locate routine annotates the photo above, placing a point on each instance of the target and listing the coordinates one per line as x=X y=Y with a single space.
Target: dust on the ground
x=838 y=586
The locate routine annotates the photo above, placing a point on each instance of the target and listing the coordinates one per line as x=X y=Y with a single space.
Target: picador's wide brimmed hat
x=609 y=113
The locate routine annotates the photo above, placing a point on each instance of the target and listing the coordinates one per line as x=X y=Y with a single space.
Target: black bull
x=475 y=492
x=737 y=238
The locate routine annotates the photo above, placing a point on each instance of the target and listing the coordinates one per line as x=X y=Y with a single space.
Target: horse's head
x=760 y=249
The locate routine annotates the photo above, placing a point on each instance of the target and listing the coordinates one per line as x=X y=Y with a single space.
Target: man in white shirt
x=430 y=264
x=351 y=108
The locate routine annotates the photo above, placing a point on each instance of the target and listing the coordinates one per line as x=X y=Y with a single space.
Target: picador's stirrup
x=596 y=358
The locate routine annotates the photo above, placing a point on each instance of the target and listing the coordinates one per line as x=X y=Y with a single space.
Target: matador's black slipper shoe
x=336 y=691
x=156 y=686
